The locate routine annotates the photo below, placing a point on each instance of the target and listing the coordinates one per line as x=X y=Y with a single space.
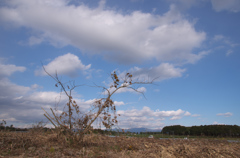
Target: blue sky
x=192 y=46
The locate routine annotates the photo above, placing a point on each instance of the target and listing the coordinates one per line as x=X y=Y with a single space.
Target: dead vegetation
x=73 y=118
x=49 y=144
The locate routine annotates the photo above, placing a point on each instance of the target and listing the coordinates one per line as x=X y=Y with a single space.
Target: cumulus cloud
x=45 y=97
x=229 y=5
x=26 y=108
x=148 y=118
x=8 y=70
x=13 y=106
x=124 y=38
x=10 y=93
x=68 y=64
x=187 y=113
x=22 y=104
x=146 y=111
x=161 y=72
x=36 y=86
x=172 y=113
x=175 y=118
x=117 y=103
x=227 y=114
x=216 y=123
x=10 y=90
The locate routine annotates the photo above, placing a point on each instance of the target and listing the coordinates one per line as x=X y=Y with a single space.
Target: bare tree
x=103 y=108
x=71 y=103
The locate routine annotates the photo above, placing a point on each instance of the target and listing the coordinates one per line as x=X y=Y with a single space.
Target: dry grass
x=40 y=144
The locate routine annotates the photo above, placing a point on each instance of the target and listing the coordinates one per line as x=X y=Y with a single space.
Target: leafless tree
x=103 y=108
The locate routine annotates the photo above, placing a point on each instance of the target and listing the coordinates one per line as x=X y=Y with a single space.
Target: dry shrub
x=74 y=118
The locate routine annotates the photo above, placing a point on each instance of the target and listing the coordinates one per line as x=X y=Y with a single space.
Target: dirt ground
x=21 y=145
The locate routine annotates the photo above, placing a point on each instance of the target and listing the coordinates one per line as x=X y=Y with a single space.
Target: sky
x=191 y=48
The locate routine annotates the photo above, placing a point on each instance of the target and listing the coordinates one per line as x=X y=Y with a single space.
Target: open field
x=40 y=144
x=163 y=136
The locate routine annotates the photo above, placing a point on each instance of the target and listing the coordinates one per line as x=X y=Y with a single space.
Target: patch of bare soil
x=21 y=145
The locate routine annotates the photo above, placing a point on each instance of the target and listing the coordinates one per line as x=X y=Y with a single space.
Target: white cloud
x=68 y=64
x=55 y=98
x=187 y=113
x=119 y=103
x=227 y=114
x=169 y=113
x=25 y=107
x=146 y=111
x=22 y=105
x=229 y=5
x=10 y=90
x=8 y=70
x=124 y=38
x=11 y=94
x=148 y=118
x=216 y=123
x=161 y=72
x=175 y=118
x=36 y=86
x=46 y=97
x=14 y=106
x=139 y=119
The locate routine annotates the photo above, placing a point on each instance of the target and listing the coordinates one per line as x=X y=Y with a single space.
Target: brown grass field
x=42 y=144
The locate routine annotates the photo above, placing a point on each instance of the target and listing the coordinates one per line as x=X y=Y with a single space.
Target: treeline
x=207 y=130
x=11 y=128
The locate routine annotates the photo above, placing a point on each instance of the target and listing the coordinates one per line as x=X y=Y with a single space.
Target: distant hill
x=138 y=130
